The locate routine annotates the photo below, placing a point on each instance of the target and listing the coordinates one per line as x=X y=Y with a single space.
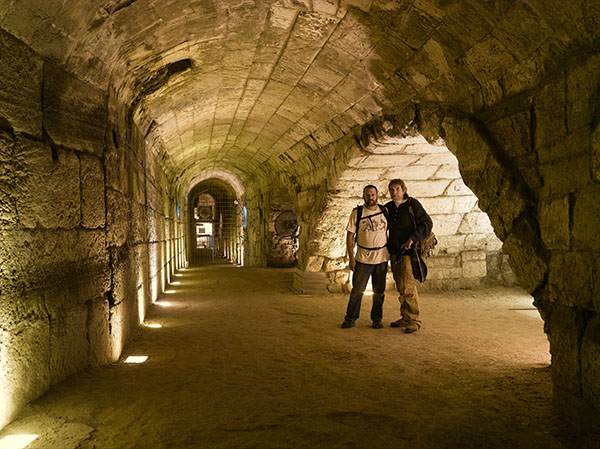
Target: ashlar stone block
x=74 y=111
x=458 y=187
x=412 y=172
x=474 y=268
x=586 y=220
x=21 y=81
x=68 y=339
x=446 y=225
x=93 y=210
x=590 y=362
x=554 y=222
x=47 y=190
x=314 y=263
x=476 y=223
x=428 y=188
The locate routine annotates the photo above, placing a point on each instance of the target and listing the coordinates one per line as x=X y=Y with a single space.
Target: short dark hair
x=398 y=182
x=370 y=186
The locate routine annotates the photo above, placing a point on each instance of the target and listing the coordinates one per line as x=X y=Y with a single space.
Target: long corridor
x=241 y=362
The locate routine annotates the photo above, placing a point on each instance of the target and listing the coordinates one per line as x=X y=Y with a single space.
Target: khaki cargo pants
x=407 y=287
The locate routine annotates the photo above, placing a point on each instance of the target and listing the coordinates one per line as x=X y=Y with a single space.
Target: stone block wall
x=86 y=230
x=468 y=253
x=532 y=160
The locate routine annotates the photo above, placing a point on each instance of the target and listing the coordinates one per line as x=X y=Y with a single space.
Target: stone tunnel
x=123 y=121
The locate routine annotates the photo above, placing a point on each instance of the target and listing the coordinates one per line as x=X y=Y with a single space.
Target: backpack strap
x=359 y=210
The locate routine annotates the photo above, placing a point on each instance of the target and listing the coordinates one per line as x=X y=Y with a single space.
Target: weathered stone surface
x=412 y=173
x=24 y=364
x=475 y=223
x=427 y=189
x=488 y=242
x=118 y=218
x=68 y=338
x=74 y=111
x=314 y=263
x=474 y=269
x=526 y=256
x=590 y=354
x=8 y=201
x=21 y=85
x=97 y=327
x=93 y=211
x=586 y=220
x=565 y=341
x=47 y=190
x=554 y=223
x=445 y=225
x=458 y=187
x=449 y=204
x=573 y=290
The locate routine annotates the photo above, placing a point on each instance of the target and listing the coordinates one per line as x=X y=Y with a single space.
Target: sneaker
x=377 y=324
x=410 y=328
x=402 y=322
x=347 y=324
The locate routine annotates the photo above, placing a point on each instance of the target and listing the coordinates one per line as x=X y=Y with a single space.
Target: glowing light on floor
x=17 y=441
x=136 y=359
x=170 y=292
x=153 y=325
x=178 y=275
x=163 y=303
x=175 y=283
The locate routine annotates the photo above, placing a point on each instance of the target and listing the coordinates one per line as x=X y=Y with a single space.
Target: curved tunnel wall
x=89 y=232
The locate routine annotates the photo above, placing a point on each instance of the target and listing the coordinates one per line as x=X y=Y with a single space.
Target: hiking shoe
x=377 y=324
x=411 y=327
x=347 y=324
x=402 y=322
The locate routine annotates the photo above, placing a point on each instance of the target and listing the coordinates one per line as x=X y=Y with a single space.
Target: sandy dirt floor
x=241 y=362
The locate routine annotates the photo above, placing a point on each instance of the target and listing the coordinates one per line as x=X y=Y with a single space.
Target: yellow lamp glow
x=153 y=325
x=163 y=303
x=175 y=283
x=170 y=292
x=17 y=441
x=136 y=359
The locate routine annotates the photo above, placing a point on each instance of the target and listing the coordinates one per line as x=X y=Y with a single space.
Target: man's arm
x=350 y=249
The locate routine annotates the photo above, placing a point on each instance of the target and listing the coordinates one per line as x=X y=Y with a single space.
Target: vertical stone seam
x=566 y=102
x=81 y=224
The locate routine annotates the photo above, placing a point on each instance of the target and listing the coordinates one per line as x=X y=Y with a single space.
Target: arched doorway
x=214 y=223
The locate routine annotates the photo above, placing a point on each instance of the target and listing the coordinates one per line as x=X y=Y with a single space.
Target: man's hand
x=352 y=264
x=408 y=244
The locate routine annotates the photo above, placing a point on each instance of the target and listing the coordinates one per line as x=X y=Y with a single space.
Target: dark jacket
x=401 y=227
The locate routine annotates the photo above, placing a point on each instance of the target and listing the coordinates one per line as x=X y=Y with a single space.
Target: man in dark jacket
x=408 y=223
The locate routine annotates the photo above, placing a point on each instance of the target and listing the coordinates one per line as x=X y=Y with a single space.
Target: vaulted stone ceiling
x=253 y=87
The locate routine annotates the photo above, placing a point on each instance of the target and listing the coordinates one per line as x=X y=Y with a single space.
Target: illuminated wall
x=84 y=214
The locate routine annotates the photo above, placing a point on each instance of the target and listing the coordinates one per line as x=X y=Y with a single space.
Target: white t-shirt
x=372 y=233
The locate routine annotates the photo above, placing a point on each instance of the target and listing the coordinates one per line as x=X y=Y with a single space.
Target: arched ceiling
x=252 y=87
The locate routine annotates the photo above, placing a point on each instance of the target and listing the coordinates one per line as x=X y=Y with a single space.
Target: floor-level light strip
x=17 y=441
x=136 y=359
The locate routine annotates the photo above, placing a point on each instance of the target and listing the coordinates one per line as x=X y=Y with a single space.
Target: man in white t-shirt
x=371 y=260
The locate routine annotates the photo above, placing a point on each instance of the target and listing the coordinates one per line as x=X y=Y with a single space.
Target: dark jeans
x=362 y=273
